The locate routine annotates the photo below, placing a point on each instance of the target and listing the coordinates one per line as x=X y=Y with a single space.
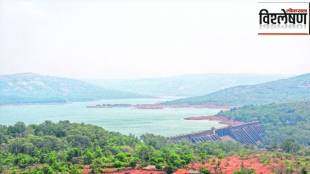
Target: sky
x=141 y=39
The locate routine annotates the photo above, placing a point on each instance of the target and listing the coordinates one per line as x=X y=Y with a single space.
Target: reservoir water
x=166 y=122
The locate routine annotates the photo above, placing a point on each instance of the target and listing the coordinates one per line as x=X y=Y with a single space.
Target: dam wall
x=245 y=133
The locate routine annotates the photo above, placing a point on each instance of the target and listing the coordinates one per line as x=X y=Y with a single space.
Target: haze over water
x=166 y=122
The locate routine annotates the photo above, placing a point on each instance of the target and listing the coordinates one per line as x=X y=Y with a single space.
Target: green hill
x=69 y=148
x=279 y=91
x=280 y=121
x=34 y=88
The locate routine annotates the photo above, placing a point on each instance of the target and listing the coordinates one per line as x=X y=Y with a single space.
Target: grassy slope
x=286 y=90
x=32 y=88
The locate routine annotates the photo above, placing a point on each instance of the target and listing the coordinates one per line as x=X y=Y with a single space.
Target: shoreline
x=220 y=119
x=210 y=106
x=159 y=106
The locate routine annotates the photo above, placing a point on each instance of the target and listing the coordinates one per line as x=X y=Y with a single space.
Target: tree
x=21 y=145
x=88 y=157
x=73 y=153
x=204 y=171
x=154 y=140
x=173 y=161
x=23 y=160
x=144 y=152
x=122 y=159
x=18 y=129
x=158 y=160
x=3 y=138
x=304 y=171
x=47 y=143
x=96 y=166
x=290 y=146
x=80 y=141
x=48 y=170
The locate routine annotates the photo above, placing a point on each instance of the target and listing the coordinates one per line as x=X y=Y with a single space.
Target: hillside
x=34 y=88
x=285 y=90
x=66 y=147
x=280 y=121
x=185 y=85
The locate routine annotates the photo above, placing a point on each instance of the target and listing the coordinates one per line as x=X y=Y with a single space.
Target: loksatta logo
x=284 y=18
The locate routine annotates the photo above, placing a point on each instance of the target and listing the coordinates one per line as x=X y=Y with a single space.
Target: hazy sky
x=133 y=39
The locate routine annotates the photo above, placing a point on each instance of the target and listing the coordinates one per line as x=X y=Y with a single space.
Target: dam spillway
x=245 y=133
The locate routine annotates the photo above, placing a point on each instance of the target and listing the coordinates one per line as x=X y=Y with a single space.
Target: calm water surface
x=166 y=122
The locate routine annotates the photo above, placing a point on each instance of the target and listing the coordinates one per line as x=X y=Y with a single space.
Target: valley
x=95 y=130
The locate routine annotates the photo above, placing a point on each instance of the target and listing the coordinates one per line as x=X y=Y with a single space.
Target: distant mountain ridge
x=185 y=85
x=35 y=88
x=285 y=90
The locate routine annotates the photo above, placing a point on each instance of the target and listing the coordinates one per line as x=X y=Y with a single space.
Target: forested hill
x=34 y=88
x=280 y=121
x=279 y=91
x=66 y=148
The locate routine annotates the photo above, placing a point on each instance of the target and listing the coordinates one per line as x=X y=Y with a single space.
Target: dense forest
x=66 y=147
x=280 y=121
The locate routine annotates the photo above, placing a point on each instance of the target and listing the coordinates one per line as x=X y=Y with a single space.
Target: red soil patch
x=230 y=164
x=182 y=171
x=136 y=171
x=86 y=169
x=227 y=165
